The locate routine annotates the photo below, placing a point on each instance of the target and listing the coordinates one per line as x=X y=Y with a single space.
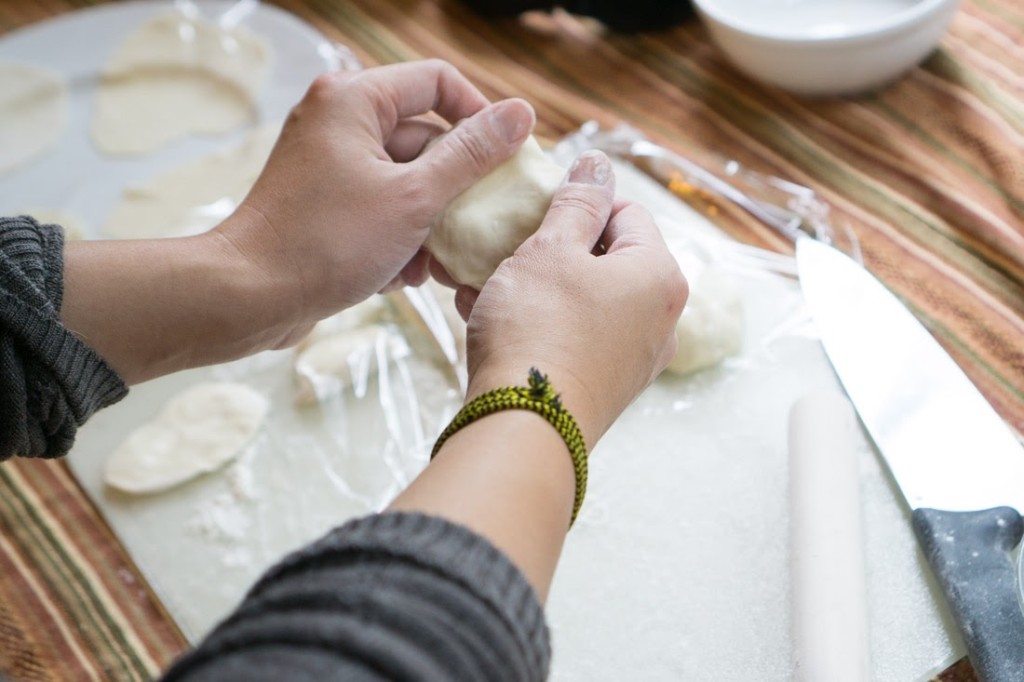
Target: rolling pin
x=829 y=601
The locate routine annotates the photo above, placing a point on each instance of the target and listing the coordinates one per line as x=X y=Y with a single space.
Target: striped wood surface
x=928 y=172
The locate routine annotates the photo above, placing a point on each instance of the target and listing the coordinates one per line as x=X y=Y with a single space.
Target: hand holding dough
x=486 y=224
x=341 y=216
x=199 y=430
x=599 y=326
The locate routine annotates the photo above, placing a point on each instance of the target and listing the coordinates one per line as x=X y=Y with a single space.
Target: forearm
x=50 y=382
x=158 y=306
x=390 y=596
x=509 y=477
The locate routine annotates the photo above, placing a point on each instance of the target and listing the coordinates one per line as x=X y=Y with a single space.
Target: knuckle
x=640 y=213
x=322 y=94
x=469 y=150
x=635 y=213
x=679 y=290
x=579 y=201
x=441 y=71
x=324 y=85
x=442 y=67
x=674 y=287
x=419 y=196
x=539 y=243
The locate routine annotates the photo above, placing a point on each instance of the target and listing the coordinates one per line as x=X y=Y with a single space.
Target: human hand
x=347 y=197
x=591 y=299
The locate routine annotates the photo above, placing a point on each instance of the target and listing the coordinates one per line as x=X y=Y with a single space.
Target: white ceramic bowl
x=826 y=47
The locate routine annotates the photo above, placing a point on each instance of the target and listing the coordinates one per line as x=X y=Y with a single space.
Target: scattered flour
x=219 y=518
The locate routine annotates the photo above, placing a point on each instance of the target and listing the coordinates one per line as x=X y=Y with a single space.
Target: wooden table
x=929 y=174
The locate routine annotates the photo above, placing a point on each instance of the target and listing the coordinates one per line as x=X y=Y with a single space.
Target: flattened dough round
x=194 y=197
x=33 y=112
x=198 y=431
x=486 y=224
x=176 y=76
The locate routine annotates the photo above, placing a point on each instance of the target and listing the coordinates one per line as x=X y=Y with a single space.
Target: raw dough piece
x=33 y=112
x=339 y=352
x=198 y=431
x=711 y=326
x=176 y=76
x=195 y=197
x=329 y=365
x=486 y=224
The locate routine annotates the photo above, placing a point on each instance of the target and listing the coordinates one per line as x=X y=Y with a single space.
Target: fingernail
x=510 y=121
x=591 y=168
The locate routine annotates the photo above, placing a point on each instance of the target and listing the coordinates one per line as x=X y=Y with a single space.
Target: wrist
x=573 y=395
x=265 y=264
x=537 y=396
x=152 y=307
x=259 y=308
x=508 y=478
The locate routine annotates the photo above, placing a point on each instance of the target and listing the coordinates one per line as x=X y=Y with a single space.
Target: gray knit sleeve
x=395 y=596
x=50 y=382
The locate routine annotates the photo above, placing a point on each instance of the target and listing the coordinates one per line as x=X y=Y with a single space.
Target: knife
x=957 y=463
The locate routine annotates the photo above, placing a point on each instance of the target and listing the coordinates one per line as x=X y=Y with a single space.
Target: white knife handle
x=829 y=604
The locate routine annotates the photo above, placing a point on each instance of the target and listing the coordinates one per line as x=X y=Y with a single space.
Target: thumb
x=581 y=207
x=473 y=148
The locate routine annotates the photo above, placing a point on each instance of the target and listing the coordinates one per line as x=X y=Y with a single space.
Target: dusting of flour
x=226 y=517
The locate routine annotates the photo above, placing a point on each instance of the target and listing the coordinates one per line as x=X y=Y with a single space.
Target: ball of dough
x=486 y=224
x=711 y=326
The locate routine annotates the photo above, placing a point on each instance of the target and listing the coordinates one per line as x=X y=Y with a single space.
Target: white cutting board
x=678 y=566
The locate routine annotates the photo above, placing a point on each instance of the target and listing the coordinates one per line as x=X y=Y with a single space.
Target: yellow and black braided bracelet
x=538 y=397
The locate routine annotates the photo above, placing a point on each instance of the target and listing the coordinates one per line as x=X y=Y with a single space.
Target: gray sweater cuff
x=50 y=382
x=395 y=596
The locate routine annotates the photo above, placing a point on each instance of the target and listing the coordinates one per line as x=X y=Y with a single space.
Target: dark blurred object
x=619 y=15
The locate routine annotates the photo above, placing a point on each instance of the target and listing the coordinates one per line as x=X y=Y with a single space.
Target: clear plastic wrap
x=787 y=207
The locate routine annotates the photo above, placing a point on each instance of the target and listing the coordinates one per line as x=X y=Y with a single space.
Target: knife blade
x=957 y=463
